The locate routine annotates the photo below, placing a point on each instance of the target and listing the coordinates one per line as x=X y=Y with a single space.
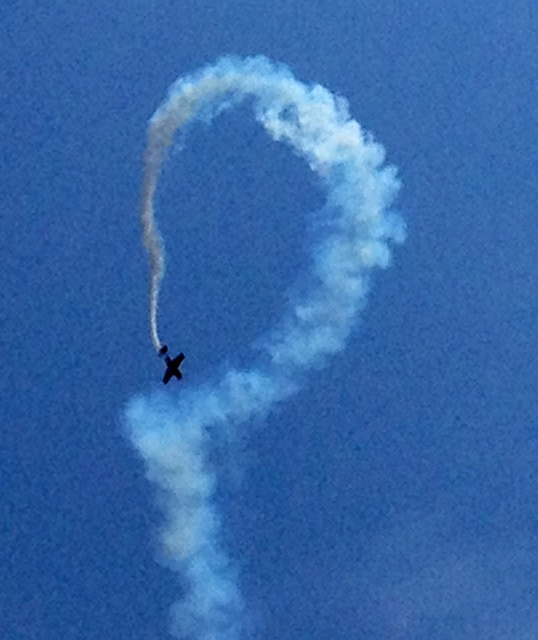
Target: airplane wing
x=167 y=376
x=177 y=361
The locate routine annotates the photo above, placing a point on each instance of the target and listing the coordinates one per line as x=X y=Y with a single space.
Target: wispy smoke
x=174 y=434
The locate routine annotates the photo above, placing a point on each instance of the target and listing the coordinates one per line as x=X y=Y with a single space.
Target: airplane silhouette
x=172 y=365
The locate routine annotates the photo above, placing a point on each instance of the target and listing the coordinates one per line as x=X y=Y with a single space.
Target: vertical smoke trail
x=153 y=243
x=174 y=435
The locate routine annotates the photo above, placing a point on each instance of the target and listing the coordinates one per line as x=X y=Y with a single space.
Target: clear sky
x=395 y=496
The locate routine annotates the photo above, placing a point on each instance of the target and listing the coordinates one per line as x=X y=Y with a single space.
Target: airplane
x=172 y=365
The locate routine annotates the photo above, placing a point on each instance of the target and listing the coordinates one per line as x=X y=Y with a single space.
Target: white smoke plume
x=174 y=434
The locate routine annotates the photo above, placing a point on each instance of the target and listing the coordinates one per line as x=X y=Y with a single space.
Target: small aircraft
x=172 y=365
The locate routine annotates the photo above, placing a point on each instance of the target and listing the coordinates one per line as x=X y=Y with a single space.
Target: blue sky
x=394 y=496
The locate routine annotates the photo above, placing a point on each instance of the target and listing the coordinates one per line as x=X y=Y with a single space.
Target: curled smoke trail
x=174 y=434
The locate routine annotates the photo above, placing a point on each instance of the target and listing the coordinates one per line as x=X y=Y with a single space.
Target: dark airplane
x=172 y=366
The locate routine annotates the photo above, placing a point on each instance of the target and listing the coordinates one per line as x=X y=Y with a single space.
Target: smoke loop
x=173 y=435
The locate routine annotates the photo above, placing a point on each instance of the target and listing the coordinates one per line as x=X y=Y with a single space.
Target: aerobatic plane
x=172 y=365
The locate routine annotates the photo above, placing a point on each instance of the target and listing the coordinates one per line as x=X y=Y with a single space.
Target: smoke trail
x=174 y=435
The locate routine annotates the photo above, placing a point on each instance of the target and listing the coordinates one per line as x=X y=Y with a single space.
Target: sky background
x=395 y=496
